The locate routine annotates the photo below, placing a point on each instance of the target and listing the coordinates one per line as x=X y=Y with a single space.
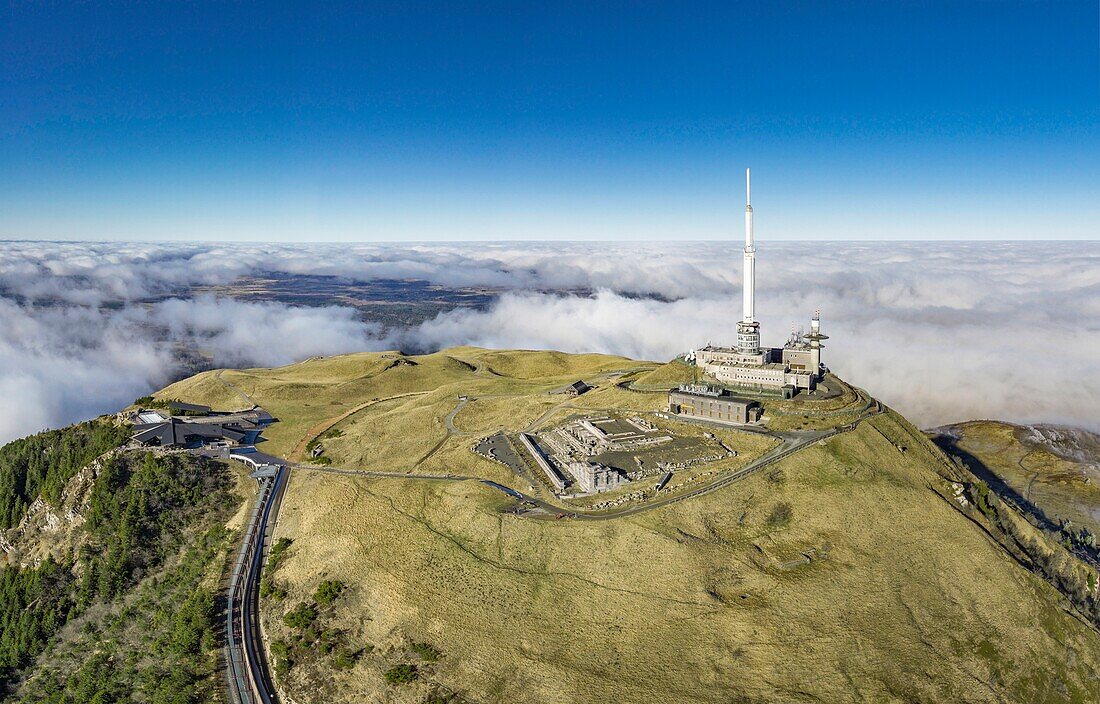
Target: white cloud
x=61 y=364
x=942 y=331
x=262 y=334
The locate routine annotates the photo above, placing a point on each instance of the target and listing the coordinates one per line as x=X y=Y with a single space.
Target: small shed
x=577 y=388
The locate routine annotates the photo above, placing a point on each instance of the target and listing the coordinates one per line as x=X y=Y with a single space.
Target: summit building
x=748 y=366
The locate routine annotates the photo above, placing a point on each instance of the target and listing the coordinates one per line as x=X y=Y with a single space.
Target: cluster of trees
x=401 y=674
x=310 y=640
x=34 y=604
x=158 y=646
x=154 y=528
x=135 y=511
x=41 y=465
x=309 y=637
x=1074 y=538
x=406 y=672
x=268 y=587
x=312 y=444
x=327 y=591
x=426 y=651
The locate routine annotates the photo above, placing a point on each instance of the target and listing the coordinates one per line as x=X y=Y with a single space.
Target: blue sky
x=439 y=121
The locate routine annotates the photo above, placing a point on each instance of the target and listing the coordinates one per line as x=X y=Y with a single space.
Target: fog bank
x=941 y=331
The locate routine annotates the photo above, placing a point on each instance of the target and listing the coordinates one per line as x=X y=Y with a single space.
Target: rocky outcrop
x=48 y=530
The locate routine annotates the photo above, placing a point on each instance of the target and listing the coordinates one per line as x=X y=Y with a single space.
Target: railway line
x=249 y=678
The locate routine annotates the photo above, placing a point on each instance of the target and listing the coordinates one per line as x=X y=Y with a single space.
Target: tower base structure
x=748 y=337
x=796 y=365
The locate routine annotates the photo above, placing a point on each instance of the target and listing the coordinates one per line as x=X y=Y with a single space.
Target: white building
x=796 y=365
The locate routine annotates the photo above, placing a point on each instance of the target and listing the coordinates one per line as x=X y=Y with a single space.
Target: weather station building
x=780 y=371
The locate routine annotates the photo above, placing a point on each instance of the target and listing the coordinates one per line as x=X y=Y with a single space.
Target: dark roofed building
x=194 y=431
x=577 y=388
x=178 y=433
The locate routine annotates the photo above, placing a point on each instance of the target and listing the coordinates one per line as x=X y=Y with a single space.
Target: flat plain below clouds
x=941 y=331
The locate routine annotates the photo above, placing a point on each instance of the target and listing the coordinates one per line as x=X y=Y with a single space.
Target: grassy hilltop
x=845 y=572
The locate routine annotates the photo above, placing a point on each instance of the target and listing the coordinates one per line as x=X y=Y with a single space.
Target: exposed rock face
x=1073 y=444
x=47 y=530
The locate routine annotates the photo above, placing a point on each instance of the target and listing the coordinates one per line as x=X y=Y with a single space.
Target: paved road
x=449 y=421
x=789 y=446
x=380 y=474
x=249 y=677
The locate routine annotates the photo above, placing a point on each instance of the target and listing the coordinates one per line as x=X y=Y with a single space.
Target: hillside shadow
x=1002 y=489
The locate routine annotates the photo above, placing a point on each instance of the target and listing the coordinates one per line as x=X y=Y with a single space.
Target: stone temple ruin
x=591 y=436
x=594 y=454
x=593 y=477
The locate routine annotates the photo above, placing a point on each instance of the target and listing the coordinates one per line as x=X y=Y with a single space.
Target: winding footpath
x=299 y=451
x=790 y=443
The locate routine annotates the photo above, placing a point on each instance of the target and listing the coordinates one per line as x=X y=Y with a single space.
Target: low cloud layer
x=941 y=331
x=61 y=364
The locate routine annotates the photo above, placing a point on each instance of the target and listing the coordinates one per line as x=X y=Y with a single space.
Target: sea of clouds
x=941 y=331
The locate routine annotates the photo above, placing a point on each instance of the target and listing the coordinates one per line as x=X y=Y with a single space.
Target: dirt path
x=790 y=444
x=234 y=388
x=1031 y=482
x=449 y=423
x=299 y=451
x=568 y=403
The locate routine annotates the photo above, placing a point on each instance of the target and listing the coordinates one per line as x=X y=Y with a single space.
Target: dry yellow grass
x=1060 y=487
x=527 y=364
x=666 y=376
x=702 y=601
x=309 y=393
x=706 y=600
x=391 y=435
x=487 y=415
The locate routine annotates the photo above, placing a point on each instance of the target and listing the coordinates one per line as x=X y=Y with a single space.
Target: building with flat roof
x=712 y=403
